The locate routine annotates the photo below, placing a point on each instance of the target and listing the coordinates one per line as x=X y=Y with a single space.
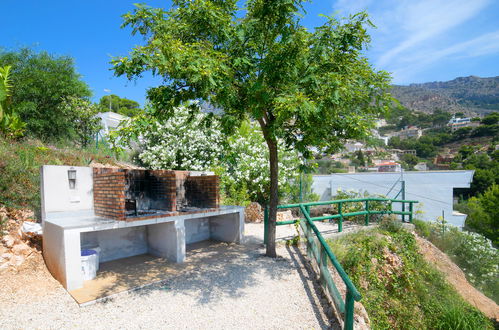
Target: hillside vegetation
x=400 y=289
x=464 y=94
x=20 y=163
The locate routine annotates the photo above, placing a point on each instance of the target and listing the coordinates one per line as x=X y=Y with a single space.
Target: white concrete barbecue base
x=66 y=233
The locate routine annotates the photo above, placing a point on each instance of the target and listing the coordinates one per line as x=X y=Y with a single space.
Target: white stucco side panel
x=433 y=189
x=56 y=193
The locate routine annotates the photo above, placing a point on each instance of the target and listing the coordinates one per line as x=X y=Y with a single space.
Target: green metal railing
x=323 y=254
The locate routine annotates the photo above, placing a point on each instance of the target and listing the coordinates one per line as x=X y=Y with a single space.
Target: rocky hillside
x=471 y=95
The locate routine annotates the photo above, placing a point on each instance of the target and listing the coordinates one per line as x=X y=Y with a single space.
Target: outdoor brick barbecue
x=132 y=195
x=125 y=213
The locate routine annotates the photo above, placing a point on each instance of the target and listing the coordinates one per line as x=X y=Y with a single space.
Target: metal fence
x=319 y=250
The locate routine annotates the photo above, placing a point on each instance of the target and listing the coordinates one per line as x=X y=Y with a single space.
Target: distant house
x=389 y=167
x=409 y=132
x=109 y=121
x=443 y=161
x=353 y=146
x=421 y=166
x=401 y=153
x=457 y=123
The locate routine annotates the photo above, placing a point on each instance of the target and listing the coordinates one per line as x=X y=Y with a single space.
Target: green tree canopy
x=307 y=88
x=491 y=119
x=42 y=81
x=85 y=123
x=120 y=105
x=484 y=214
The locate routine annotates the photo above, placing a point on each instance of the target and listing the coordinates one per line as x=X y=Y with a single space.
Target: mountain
x=471 y=95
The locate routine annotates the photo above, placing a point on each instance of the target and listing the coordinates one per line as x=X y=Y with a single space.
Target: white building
x=109 y=121
x=409 y=132
x=457 y=123
x=389 y=167
x=353 y=146
x=433 y=189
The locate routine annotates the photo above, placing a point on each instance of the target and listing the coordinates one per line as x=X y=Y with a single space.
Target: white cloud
x=428 y=19
x=483 y=45
x=413 y=34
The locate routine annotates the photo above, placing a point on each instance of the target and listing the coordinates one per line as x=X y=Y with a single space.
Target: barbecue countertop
x=86 y=221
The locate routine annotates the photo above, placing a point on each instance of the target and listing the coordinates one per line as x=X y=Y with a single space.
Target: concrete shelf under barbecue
x=65 y=234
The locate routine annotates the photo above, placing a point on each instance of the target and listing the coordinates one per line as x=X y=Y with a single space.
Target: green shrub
x=483 y=213
x=19 y=167
x=400 y=289
x=454 y=318
x=472 y=252
x=391 y=224
x=422 y=227
x=360 y=206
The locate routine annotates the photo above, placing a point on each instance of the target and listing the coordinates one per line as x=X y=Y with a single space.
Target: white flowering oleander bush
x=179 y=144
x=246 y=162
x=472 y=252
x=187 y=142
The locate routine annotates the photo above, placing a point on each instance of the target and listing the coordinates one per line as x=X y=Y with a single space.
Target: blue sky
x=415 y=40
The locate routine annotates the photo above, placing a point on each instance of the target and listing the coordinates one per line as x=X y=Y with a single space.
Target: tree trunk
x=274 y=196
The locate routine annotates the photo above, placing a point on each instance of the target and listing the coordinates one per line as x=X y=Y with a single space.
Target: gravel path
x=240 y=289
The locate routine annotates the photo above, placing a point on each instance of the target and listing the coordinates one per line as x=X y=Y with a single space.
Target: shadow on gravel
x=309 y=279
x=212 y=270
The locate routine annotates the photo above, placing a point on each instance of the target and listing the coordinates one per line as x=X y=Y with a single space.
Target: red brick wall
x=169 y=186
x=167 y=190
x=109 y=194
x=203 y=191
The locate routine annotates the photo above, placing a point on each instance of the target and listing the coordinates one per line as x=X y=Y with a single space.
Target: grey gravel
x=241 y=289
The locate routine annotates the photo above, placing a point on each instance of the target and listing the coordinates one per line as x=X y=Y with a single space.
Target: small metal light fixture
x=72 y=178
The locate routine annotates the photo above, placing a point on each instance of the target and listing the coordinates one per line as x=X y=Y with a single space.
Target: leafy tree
x=119 y=105
x=308 y=89
x=186 y=142
x=486 y=130
x=462 y=133
x=484 y=214
x=440 y=117
x=42 y=81
x=10 y=123
x=5 y=87
x=359 y=158
x=466 y=150
x=491 y=119
x=85 y=124
x=410 y=160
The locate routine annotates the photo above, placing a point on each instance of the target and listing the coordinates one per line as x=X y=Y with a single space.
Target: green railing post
x=323 y=267
x=309 y=240
x=349 y=310
x=403 y=198
x=403 y=210
x=411 y=205
x=340 y=223
x=265 y=224
x=366 y=220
